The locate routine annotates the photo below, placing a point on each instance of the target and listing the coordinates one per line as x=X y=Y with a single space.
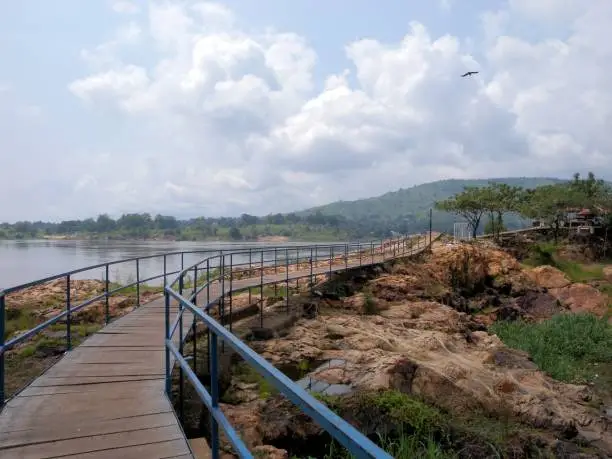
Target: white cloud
x=222 y=119
x=125 y=7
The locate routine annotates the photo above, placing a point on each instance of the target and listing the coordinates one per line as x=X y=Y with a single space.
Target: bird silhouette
x=468 y=74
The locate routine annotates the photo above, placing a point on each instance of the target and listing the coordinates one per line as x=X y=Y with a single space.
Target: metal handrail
x=356 y=443
x=70 y=308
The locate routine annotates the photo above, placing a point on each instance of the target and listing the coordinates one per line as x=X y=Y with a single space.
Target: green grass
x=417 y=429
x=402 y=447
x=547 y=254
x=568 y=346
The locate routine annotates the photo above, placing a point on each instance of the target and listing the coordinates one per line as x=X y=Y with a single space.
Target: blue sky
x=200 y=108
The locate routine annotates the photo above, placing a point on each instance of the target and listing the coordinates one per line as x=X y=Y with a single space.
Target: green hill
x=407 y=210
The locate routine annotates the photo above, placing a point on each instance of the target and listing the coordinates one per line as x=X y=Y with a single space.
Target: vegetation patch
x=369 y=303
x=548 y=254
x=569 y=347
x=407 y=427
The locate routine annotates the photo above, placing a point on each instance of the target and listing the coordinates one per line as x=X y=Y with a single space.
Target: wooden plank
x=100 y=443
x=158 y=450
x=118 y=386
x=55 y=432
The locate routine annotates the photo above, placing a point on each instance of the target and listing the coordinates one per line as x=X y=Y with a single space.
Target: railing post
x=430 y=225
x=137 y=282
x=359 y=250
x=214 y=395
x=194 y=324
x=287 y=280
x=207 y=303
x=261 y=301
x=2 y=331
x=165 y=272
x=372 y=251
x=275 y=261
x=181 y=349
x=311 y=279
x=106 y=299
x=331 y=257
x=167 y=334
x=346 y=257
x=68 y=314
x=231 y=281
x=222 y=299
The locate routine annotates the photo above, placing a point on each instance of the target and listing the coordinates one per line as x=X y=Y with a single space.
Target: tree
x=234 y=233
x=471 y=204
x=499 y=199
x=550 y=203
x=104 y=223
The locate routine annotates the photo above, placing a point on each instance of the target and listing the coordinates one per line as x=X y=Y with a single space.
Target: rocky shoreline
x=417 y=333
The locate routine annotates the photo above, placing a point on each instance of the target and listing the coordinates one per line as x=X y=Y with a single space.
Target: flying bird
x=468 y=74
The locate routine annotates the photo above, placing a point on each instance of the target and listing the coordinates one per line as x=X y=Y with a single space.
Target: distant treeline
x=145 y=226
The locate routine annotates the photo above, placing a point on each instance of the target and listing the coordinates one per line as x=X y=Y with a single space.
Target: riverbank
x=246 y=233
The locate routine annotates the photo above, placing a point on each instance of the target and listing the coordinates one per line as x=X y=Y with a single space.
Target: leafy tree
x=499 y=199
x=550 y=203
x=234 y=233
x=471 y=204
x=105 y=224
x=494 y=226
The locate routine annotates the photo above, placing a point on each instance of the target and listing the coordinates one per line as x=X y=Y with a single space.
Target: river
x=25 y=261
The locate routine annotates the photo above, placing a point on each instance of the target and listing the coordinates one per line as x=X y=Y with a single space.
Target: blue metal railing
x=215 y=290
x=70 y=309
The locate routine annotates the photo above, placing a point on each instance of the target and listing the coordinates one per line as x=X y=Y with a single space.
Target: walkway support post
x=68 y=314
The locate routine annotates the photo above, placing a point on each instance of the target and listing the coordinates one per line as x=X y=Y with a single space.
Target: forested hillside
x=404 y=211
x=407 y=210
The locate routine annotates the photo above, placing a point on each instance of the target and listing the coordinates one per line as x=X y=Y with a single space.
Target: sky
x=192 y=108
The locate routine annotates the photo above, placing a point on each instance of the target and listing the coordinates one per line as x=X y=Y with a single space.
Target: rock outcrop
x=421 y=329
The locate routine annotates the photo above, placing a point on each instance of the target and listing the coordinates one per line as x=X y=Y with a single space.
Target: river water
x=25 y=261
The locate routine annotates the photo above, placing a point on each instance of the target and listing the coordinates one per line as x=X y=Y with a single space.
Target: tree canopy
x=550 y=203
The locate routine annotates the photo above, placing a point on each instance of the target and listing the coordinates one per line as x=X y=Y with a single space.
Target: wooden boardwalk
x=105 y=399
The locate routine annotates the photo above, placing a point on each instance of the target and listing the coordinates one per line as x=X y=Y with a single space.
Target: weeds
x=369 y=303
x=567 y=346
